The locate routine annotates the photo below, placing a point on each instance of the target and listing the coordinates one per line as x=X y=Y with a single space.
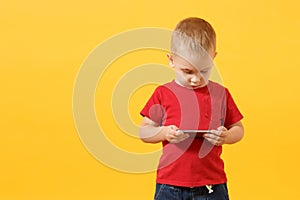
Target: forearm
x=234 y=134
x=152 y=134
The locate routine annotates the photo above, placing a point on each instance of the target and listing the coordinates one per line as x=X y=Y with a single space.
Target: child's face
x=188 y=75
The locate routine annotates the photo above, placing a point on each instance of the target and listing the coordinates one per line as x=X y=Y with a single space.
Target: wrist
x=228 y=135
x=163 y=133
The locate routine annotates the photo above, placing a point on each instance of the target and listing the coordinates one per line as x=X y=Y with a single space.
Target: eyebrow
x=205 y=69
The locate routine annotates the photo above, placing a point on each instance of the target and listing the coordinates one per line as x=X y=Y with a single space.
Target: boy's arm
x=151 y=132
x=234 y=133
x=222 y=135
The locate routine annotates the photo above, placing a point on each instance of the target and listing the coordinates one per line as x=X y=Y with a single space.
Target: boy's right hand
x=172 y=134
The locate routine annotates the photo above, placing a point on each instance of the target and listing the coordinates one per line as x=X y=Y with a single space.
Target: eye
x=187 y=71
x=204 y=71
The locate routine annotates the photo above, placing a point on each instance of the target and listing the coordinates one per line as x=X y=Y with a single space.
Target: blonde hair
x=194 y=35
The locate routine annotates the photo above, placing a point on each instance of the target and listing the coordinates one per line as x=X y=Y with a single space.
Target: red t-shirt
x=195 y=161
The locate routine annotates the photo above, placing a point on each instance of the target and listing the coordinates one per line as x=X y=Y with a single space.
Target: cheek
x=206 y=76
x=178 y=74
x=181 y=77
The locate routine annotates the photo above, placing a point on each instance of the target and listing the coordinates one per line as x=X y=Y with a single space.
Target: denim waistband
x=204 y=188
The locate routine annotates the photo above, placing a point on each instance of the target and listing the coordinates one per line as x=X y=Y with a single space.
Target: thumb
x=173 y=127
x=221 y=128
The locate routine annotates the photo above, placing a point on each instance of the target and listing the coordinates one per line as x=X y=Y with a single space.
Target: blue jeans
x=169 y=192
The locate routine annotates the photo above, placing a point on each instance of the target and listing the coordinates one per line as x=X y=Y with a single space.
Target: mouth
x=200 y=85
x=195 y=86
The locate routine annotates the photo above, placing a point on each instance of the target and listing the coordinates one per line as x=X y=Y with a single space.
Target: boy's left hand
x=217 y=137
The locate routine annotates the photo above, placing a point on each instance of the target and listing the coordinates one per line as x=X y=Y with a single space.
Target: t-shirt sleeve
x=233 y=114
x=153 y=108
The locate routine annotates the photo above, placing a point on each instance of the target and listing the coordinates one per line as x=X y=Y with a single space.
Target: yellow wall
x=43 y=45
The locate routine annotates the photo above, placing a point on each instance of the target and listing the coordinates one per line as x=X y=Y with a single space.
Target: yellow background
x=43 y=44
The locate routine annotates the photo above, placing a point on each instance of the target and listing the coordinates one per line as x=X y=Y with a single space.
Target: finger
x=170 y=137
x=175 y=140
x=185 y=136
x=221 y=133
x=208 y=135
x=211 y=136
x=215 y=142
x=220 y=128
x=173 y=133
x=218 y=133
x=178 y=133
x=180 y=138
x=215 y=132
x=212 y=141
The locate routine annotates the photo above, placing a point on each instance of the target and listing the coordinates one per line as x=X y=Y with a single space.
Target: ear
x=171 y=61
x=215 y=54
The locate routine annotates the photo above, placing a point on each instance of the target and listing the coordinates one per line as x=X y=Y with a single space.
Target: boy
x=190 y=166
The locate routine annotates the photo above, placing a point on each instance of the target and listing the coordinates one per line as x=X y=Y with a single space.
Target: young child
x=190 y=166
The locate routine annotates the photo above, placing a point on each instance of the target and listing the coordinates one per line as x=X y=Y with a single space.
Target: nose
x=195 y=80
